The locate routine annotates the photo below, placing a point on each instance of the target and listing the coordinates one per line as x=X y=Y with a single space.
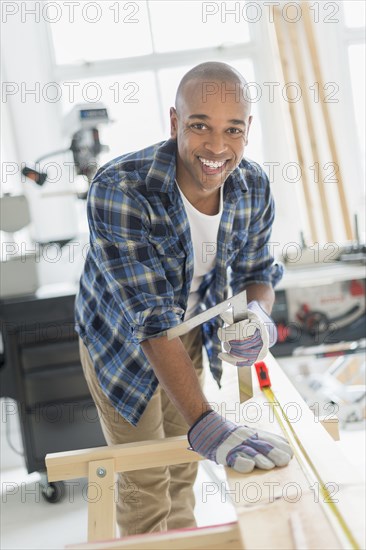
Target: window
x=354 y=13
x=105 y=30
x=101 y=30
x=354 y=21
x=356 y=54
x=133 y=57
x=183 y=25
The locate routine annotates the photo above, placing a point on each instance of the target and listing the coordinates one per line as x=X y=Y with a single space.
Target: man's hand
x=239 y=447
x=248 y=341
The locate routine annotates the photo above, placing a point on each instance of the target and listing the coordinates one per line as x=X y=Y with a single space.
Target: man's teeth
x=211 y=163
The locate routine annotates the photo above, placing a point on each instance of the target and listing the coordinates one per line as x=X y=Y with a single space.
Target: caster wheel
x=53 y=492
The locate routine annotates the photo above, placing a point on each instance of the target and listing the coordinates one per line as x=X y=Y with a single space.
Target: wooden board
x=101 y=507
x=215 y=538
x=314 y=57
x=271 y=526
x=127 y=457
x=266 y=497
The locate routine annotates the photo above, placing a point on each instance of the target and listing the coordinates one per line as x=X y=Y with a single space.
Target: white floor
x=29 y=522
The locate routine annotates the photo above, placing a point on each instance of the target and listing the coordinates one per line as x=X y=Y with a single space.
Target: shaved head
x=208 y=76
x=210 y=123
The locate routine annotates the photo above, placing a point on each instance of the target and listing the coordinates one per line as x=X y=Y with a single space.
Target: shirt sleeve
x=129 y=263
x=254 y=262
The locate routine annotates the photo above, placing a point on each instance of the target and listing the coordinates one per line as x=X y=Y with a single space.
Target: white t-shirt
x=204 y=229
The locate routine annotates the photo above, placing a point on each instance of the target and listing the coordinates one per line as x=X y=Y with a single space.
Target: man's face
x=211 y=130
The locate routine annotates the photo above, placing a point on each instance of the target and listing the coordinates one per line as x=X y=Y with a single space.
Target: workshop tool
x=82 y=123
x=315 y=322
x=244 y=373
x=332 y=310
x=304 y=460
x=332 y=350
x=262 y=373
x=238 y=305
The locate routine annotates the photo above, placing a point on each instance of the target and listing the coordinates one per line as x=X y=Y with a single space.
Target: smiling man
x=211 y=123
x=172 y=227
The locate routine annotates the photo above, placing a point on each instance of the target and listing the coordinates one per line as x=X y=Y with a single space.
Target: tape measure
x=302 y=456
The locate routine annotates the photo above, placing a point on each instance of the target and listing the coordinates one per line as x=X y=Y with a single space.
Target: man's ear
x=173 y=123
x=249 y=123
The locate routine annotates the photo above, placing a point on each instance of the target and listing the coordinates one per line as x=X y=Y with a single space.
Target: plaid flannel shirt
x=139 y=266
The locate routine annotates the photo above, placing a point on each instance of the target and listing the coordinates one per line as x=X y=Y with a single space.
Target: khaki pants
x=155 y=499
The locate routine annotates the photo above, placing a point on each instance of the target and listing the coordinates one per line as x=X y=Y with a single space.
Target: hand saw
x=238 y=304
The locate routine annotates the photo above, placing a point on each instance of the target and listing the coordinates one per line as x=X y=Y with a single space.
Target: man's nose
x=216 y=144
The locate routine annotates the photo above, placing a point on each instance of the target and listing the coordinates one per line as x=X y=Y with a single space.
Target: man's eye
x=235 y=131
x=198 y=126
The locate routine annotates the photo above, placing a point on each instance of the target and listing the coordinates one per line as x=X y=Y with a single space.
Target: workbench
x=316 y=502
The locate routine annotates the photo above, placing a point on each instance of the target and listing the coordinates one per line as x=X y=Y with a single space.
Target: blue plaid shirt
x=139 y=267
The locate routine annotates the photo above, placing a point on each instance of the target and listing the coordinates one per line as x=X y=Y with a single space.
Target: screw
x=101 y=472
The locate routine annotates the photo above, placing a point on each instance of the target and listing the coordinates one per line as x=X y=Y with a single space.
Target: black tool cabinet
x=41 y=371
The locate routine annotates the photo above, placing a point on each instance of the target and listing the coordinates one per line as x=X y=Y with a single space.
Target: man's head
x=210 y=122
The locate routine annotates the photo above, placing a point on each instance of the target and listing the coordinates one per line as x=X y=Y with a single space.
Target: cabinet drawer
x=50 y=355
x=76 y=426
x=60 y=384
x=36 y=334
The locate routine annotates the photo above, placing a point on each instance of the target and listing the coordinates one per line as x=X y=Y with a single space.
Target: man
x=166 y=223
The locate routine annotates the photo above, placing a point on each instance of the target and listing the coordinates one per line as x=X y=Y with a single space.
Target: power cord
x=8 y=438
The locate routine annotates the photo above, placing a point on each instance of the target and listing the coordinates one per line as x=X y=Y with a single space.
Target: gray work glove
x=248 y=341
x=239 y=447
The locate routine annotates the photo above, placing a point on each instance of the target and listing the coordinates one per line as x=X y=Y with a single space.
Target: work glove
x=239 y=447
x=247 y=342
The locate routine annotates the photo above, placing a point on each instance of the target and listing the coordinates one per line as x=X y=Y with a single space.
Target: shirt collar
x=161 y=175
x=236 y=184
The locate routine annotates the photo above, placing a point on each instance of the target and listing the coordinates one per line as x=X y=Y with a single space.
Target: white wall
x=36 y=124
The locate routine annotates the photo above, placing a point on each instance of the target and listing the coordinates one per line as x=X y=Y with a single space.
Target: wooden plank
x=314 y=56
x=266 y=486
x=352 y=371
x=295 y=486
x=127 y=457
x=213 y=538
x=101 y=505
x=284 y=52
x=311 y=131
x=270 y=526
x=354 y=510
x=327 y=457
